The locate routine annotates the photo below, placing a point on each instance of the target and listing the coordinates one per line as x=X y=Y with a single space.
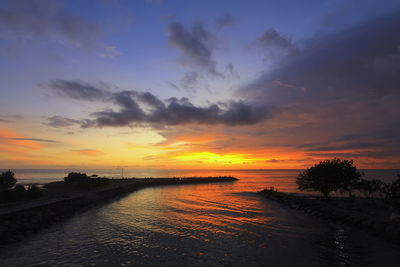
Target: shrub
x=7 y=180
x=369 y=187
x=34 y=191
x=76 y=177
x=391 y=191
x=82 y=180
x=328 y=176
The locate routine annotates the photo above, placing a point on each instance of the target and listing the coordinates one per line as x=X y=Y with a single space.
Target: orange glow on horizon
x=11 y=138
x=214 y=158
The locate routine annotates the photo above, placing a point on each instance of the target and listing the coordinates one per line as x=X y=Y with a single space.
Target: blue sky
x=255 y=67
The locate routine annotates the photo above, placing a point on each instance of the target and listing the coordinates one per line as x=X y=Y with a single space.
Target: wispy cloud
x=78 y=90
x=89 y=152
x=190 y=80
x=48 y=19
x=225 y=21
x=34 y=139
x=59 y=121
x=195 y=45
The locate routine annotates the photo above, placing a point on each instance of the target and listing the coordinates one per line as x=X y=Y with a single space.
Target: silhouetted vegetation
x=329 y=176
x=391 y=192
x=11 y=192
x=341 y=176
x=82 y=180
x=369 y=188
x=7 y=180
x=76 y=177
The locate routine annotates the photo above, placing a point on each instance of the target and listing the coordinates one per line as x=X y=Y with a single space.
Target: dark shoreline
x=343 y=212
x=20 y=223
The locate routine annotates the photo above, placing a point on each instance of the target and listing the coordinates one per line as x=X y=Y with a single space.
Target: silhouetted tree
x=392 y=190
x=76 y=177
x=328 y=176
x=34 y=191
x=7 y=180
x=369 y=187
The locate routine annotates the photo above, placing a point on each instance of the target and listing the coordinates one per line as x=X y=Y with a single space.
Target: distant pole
x=122 y=173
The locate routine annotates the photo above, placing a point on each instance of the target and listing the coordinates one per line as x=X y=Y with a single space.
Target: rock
x=358 y=220
x=392 y=233
x=3 y=228
x=377 y=228
x=366 y=224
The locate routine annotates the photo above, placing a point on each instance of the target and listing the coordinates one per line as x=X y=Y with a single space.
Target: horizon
x=175 y=85
x=144 y=169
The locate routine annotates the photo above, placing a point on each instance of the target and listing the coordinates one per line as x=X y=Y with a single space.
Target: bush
x=7 y=180
x=391 y=191
x=34 y=191
x=82 y=180
x=328 y=176
x=369 y=187
x=76 y=177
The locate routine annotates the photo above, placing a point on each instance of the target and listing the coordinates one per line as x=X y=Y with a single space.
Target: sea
x=224 y=224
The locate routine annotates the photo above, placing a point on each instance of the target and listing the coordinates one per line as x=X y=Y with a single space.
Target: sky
x=199 y=84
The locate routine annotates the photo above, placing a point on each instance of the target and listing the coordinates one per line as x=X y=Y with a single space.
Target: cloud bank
x=342 y=84
x=146 y=108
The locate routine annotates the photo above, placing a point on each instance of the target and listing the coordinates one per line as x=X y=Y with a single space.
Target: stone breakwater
x=16 y=225
x=373 y=219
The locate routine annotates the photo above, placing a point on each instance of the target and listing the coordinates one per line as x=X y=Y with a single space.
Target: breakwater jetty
x=19 y=220
x=369 y=215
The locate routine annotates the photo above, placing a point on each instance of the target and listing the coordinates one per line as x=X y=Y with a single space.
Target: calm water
x=201 y=225
x=284 y=179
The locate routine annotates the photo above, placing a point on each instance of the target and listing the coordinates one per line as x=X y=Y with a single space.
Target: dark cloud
x=59 y=121
x=190 y=80
x=173 y=85
x=16 y=116
x=195 y=44
x=271 y=38
x=35 y=140
x=11 y=118
x=78 y=90
x=225 y=21
x=348 y=146
x=232 y=71
x=342 y=86
x=146 y=108
x=175 y=112
x=274 y=46
x=273 y=161
x=342 y=13
x=49 y=19
x=361 y=60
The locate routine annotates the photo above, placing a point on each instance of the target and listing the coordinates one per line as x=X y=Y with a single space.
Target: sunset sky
x=199 y=84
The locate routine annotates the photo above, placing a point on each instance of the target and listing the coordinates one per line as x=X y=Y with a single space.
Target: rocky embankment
x=20 y=222
x=372 y=216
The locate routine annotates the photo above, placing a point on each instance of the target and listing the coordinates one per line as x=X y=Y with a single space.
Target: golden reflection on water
x=208 y=224
x=201 y=211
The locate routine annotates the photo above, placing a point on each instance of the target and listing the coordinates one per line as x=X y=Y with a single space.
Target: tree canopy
x=328 y=176
x=76 y=177
x=7 y=180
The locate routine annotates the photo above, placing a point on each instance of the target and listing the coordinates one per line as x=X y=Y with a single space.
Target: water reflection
x=199 y=225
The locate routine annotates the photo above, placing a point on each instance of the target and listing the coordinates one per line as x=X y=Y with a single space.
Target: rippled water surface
x=225 y=224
